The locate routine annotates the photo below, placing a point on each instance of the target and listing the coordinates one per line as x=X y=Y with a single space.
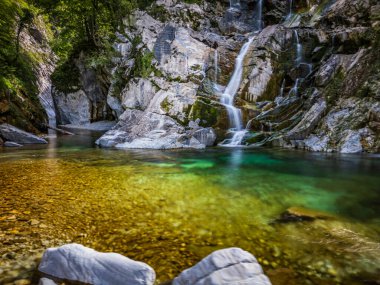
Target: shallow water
x=172 y=208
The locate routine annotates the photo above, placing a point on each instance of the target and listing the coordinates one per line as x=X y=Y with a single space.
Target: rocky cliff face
x=320 y=88
x=310 y=80
x=31 y=109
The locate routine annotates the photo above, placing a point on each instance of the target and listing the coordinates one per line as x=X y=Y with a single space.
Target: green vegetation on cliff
x=16 y=70
x=19 y=104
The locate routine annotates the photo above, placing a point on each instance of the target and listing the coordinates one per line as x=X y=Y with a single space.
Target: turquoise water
x=171 y=208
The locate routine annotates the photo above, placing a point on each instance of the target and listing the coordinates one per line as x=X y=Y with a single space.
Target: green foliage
x=16 y=65
x=143 y=64
x=66 y=76
x=158 y=12
x=87 y=26
x=143 y=4
x=333 y=89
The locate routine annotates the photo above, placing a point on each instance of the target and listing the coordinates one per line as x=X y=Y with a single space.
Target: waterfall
x=299 y=60
x=294 y=89
x=299 y=48
x=290 y=13
x=216 y=66
x=280 y=96
x=227 y=99
x=234 y=4
x=282 y=89
x=259 y=11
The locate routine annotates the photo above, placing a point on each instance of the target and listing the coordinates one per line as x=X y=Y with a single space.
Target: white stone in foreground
x=78 y=263
x=46 y=281
x=232 y=266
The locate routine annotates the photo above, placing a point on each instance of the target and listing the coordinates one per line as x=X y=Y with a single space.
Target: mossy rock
x=253 y=138
x=211 y=114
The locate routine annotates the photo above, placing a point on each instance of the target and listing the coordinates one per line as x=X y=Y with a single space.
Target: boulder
x=11 y=144
x=72 y=108
x=351 y=142
x=206 y=136
x=316 y=143
x=112 y=138
x=75 y=262
x=299 y=214
x=161 y=139
x=13 y=134
x=46 y=281
x=232 y=266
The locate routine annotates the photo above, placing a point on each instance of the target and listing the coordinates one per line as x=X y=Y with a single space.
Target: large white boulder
x=231 y=266
x=73 y=108
x=75 y=262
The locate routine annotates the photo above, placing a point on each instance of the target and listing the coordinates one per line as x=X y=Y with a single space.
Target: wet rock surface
x=297 y=214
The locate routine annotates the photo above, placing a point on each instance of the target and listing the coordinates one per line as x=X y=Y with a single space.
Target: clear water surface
x=172 y=208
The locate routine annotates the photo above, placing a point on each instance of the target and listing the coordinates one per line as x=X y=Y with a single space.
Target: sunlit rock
x=112 y=138
x=75 y=262
x=230 y=266
x=46 y=281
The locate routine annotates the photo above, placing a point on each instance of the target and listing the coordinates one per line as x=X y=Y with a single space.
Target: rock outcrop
x=15 y=135
x=310 y=77
x=75 y=262
x=29 y=106
x=311 y=85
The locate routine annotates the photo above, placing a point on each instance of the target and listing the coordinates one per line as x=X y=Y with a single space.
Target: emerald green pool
x=172 y=208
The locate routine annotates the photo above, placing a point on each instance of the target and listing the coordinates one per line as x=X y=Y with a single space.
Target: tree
x=25 y=19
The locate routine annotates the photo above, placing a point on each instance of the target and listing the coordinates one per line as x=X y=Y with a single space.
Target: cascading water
x=294 y=90
x=299 y=48
x=259 y=12
x=280 y=96
x=299 y=60
x=290 y=13
x=227 y=99
x=216 y=67
x=228 y=96
x=234 y=4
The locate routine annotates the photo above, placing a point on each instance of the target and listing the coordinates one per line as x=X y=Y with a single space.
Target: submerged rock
x=230 y=266
x=13 y=134
x=75 y=262
x=299 y=214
